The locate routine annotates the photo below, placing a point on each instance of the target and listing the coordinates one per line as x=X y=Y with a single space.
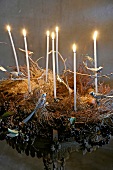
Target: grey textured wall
x=77 y=20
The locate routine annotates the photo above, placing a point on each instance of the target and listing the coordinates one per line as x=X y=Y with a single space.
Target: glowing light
x=47 y=33
x=74 y=48
x=95 y=35
x=24 y=32
x=57 y=29
x=8 y=28
x=53 y=35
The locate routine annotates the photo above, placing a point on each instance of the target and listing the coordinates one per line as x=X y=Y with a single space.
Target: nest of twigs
x=14 y=96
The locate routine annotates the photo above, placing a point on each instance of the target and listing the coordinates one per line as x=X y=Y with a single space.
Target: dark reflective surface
x=101 y=159
x=53 y=141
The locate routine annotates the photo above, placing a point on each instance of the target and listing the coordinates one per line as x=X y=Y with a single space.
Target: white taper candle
x=95 y=60
x=47 y=55
x=74 y=51
x=27 y=60
x=14 y=51
x=53 y=57
x=57 y=65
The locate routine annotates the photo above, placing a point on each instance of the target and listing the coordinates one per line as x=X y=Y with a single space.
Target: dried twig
x=89 y=75
x=62 y=81
x=35 y=63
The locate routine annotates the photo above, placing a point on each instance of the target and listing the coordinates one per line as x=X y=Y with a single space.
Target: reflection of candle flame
x=57 y=29
x=53 y=35
x=95 y=35
x=24 y=32
x=8 y=28
x=74 y=48
x=47 y=33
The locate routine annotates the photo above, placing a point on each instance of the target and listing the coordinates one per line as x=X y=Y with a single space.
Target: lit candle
x=12 y=43
x=74 y=51
x=57 y=68
x=95 y=59
x=47 y=55
x=53 y=56
x=27 y=60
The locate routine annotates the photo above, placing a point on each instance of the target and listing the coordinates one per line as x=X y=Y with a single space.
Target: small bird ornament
x=41 y=103
x=95 y=70
x=29 y=52
x=14 y=74
x=99 y=95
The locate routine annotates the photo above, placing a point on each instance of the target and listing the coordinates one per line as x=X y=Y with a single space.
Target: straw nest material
x=14 y=96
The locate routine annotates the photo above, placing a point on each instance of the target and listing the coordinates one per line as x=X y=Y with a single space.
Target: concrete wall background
x=77 y=20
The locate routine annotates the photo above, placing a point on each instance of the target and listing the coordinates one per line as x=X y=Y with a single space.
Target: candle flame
x=57 y=29
x=74 y=48
x=95 y=35
x=24 y=32
x=53 y=35
x=8 y=28
x=47 y=33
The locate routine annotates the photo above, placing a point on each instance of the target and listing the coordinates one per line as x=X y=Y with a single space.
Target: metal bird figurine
x=95 y=70
x=12 y=133
x=2 y=69
x=29 y=52
x=41 y=102
x=14 y=74
x=99 y=95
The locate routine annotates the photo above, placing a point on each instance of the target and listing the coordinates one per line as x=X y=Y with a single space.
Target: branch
x=34 y=63
x=62 y=81
x=89 y=75
x=60 y=57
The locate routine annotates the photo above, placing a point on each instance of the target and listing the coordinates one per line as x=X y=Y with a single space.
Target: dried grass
x=15 y=94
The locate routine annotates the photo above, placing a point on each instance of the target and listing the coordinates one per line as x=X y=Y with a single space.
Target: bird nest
x=90 y=125
x=15 y=98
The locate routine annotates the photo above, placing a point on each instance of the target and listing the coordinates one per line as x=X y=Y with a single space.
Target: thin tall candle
x=74 y=51
x=27 y=60
x=53 y=57
x=47 y=55
x=57 y=67
x=95 y=59
x=14 y=51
